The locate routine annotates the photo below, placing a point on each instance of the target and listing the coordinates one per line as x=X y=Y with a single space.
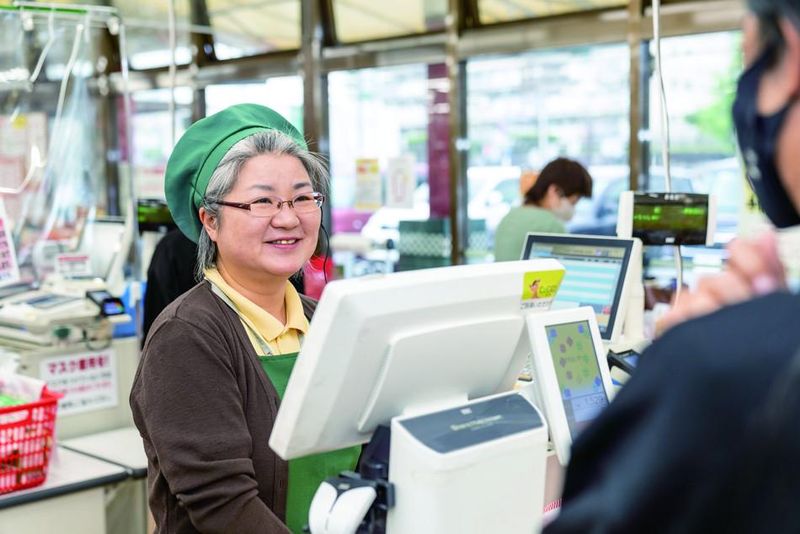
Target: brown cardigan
x=205 y=409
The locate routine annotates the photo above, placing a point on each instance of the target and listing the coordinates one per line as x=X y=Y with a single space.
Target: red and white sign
x=71 y=265
x=87 y=380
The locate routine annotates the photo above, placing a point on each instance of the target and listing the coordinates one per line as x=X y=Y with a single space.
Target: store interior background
x=459 y=98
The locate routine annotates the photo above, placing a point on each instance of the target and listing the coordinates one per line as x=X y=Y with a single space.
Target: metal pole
x=315 y=119
x=457 y=150
x=635 y=16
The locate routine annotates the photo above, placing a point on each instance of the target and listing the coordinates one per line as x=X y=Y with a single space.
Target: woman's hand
x=753 y=269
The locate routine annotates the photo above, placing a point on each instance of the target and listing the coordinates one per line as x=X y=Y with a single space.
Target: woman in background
x=548 y=204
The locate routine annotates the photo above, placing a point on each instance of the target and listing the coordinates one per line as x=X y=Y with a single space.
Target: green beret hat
x=200 y=150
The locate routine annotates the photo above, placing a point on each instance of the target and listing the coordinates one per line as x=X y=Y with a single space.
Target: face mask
x=758 y=139
x=565 y=209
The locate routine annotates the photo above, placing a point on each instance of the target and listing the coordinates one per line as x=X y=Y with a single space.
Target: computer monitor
x=597 y=274
x=153 y=215
x=571 y=374
x=408 y=343
x=103 y=240
x=667 y=218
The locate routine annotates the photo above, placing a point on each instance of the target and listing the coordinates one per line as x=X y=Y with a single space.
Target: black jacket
x=170 y=275
x=704 y=438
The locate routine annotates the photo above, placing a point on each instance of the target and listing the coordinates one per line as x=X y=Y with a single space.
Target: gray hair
x=227 y=172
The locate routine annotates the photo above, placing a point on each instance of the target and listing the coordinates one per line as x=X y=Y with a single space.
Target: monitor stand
x=632 y=337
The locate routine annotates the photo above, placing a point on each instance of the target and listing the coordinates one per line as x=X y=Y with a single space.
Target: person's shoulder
x=524 y=214
x=196 y=306
x=774 y=311
x=752 y=333
x=197 y=317
x=537 y=214
x=512 y=214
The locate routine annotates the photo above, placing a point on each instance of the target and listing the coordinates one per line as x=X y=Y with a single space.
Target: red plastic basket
x=26 y=439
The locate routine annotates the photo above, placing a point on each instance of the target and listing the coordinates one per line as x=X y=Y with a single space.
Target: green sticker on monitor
x=539 y=288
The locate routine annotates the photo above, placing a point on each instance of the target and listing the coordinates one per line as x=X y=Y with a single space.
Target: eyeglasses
x=270 y=206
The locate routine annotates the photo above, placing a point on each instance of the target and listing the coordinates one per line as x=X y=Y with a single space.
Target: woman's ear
x=209 y=222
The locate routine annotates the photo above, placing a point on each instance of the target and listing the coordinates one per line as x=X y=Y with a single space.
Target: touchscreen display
x=594 y=276
x=113 y=307
x=108 y=304
x=577 y=372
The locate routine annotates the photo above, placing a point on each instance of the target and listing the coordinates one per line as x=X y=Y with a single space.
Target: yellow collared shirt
x=280 y=338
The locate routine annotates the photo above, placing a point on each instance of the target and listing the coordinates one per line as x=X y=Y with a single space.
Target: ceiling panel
x=494 y=11
x=363 y=20
x=247 y=27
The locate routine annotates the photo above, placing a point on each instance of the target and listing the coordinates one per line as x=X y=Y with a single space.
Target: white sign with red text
x=73 y=265
x=88 y=380
x=402 y=183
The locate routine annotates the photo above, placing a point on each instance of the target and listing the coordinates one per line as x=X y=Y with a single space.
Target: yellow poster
x=369 y=190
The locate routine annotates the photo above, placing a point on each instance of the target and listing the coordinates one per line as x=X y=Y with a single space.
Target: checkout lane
x=107 y=491
x=73 y=497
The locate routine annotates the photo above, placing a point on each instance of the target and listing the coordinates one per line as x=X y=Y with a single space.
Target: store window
x=284 y=94
x=388 y=182
x=61 y=156
x=361 y=20
x=494 y=11
x=703 y=154
x=249 y=28
x=527 y=109
x=151 y=130
x=148 y=32
x=700 y=73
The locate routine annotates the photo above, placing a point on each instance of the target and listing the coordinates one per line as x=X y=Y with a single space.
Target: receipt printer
x=475 y=468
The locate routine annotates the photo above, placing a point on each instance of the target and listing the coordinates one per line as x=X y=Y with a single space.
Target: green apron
x=305 y=474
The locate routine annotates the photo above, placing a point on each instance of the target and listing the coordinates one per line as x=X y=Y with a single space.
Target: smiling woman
x=243 y=185
x=259 y=245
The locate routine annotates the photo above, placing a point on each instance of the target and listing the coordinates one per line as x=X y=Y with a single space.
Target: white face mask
x=565 y=210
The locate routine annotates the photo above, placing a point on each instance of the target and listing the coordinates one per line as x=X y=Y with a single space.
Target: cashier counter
x=97 y=475
x=84 y=493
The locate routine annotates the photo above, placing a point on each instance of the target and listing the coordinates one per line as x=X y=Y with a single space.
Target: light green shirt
x=510 y=235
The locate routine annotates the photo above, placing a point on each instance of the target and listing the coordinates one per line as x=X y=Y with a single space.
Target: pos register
x=601 y=272
x=573 y=382
x=426 y=360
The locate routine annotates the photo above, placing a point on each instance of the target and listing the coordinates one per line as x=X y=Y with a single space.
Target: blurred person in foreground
x=548 y=204
x=704 y=437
